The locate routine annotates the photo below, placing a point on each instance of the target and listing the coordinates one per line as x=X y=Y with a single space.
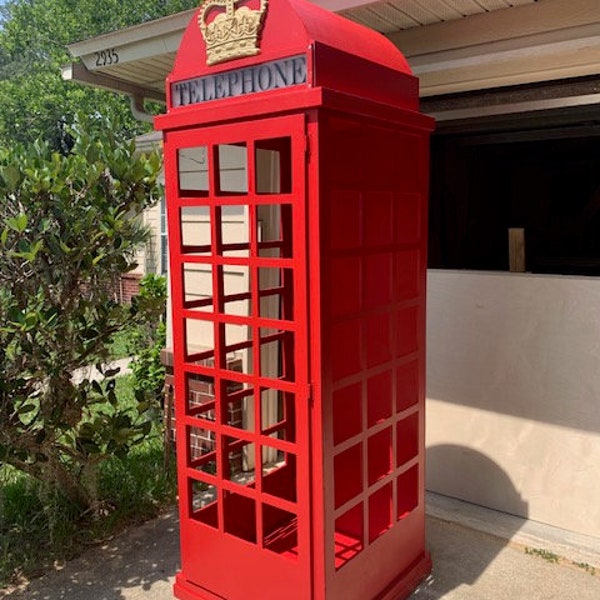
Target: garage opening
x=539 y=186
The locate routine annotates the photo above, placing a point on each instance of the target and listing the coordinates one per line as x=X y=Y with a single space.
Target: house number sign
x=107 y=57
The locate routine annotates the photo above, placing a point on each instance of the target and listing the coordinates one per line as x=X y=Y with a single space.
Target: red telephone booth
x=296 y=178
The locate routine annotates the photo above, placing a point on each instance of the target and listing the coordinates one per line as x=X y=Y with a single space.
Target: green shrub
x=68 y=231
x=38 y=525
x=149 y=339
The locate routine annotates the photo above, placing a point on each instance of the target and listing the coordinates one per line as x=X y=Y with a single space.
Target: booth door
x=238 y=269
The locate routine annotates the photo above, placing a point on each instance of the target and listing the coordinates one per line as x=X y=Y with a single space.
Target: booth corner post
x=297 y=168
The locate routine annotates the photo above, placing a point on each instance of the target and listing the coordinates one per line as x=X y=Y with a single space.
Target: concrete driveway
x=469 y=563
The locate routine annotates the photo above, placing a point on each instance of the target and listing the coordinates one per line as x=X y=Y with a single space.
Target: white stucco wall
x=513 y=391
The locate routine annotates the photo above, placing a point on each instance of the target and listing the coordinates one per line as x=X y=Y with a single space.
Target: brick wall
x=201 y=392
x=129 y=287
x=122 y=290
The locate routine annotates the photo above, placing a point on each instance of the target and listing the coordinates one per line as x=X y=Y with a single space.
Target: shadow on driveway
x=461 y=556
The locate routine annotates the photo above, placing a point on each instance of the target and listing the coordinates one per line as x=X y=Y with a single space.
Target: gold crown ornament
x=233 y=33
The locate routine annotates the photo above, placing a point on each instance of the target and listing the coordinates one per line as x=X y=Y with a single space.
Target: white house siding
x=513 y=389
x=148 y=257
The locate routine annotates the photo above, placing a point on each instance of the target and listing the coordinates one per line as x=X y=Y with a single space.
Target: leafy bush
x=150 y=338
x=68 y=231
x=39 y=526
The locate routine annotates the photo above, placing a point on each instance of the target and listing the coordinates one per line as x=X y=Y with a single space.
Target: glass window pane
x=192 y=164
x=233 y=169
x=195 y=229
x=274 y=166
x=274 y=230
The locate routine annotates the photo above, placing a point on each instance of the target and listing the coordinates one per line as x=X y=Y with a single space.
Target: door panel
x=238 y=269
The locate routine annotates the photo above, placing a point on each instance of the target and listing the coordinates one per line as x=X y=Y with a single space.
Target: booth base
x=400 y=589
x=406 y=583
x=184 y=590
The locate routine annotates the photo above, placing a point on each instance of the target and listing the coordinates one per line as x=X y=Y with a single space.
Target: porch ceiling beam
x=78 y=72
x=152 y=30
x=548 y=40
x=517 y=22
x=337 y=5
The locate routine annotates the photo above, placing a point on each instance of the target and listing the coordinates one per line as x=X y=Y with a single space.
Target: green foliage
x=133 y=340
x=150 y=339
x=68 y=231
x=545 y=554
x=586 y=567
x=147 y=367
x=34 y=100
x=121 y=345
x=33 y=522
x=38 y=525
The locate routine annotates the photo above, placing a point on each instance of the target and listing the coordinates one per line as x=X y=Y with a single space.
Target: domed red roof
x=289 y=28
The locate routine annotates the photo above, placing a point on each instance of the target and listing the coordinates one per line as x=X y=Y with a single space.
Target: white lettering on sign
x=262 y=78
